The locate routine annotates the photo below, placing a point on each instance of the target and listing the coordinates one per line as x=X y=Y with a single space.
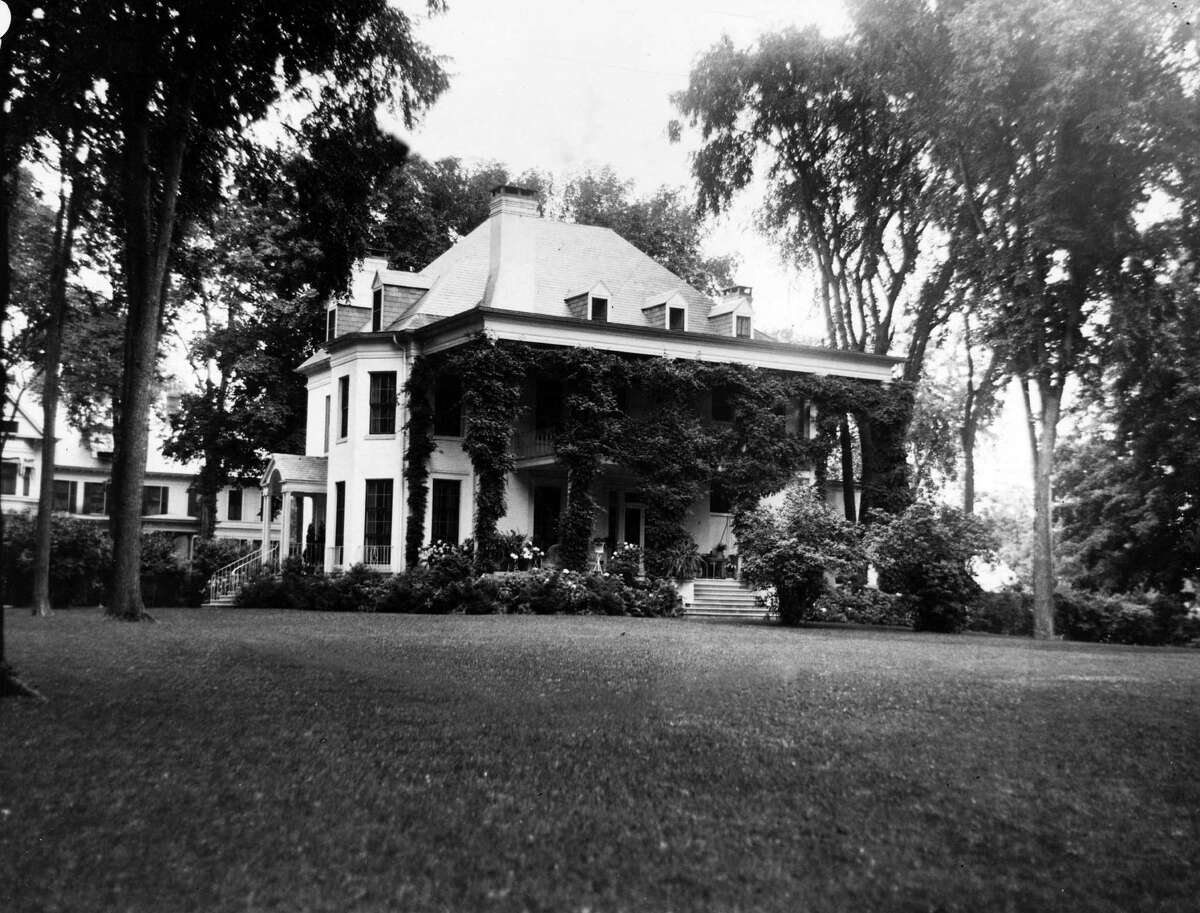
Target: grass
x=247 y=760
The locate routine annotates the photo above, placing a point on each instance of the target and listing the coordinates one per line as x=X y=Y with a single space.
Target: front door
x=547 y=508
x=635 y=526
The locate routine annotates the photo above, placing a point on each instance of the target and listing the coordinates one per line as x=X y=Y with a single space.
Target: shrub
x=448 y=562
x=861 y=606
x=1006 y=612
x=795 y=548
x=925 y=553
x=1126 y=618
x=80 y=557
x=626 y=562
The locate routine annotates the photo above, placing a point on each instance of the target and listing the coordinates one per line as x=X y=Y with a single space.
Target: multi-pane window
x=447 y=406
x=600 y=310
x=743 y=328
x=722 y=405
x=339 y=514
x=378 y=530
x=234 y=511
x=383 y=402
x=719 y=501
x=377 y=310
x=327 y=424
x=330 y=323
x=9 y=426
x=193 y=502
x=8 y=478
x=446 y=496
x=95 y=497
x=64 y=495
x=27 y=484
x=675 y=319
x=343 y=406
x=155 y=500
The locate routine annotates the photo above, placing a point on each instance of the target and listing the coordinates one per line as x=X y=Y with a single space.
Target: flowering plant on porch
x=626 y=562
x=519 y=553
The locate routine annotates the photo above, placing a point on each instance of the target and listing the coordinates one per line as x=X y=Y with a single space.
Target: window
x=722 y=405
x=64 y=496
x=155 y=499
x=676 y=319
x=343 y=407
x=719 y=501
x=331 y=323
x=95 y=497
x=743 y=328
x=234 y=510
x=193 y=502
x=8 y=478
x=9 y=426
x=547 y=406
x=28 y=481
x=600 y=310
x=327 y=424
x=339 y=514
x=447 y=406
x=383 y=402
x=444 y=524
x=377 y=310
x=378 y=531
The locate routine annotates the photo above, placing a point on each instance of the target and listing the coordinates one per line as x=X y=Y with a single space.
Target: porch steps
x=220 y=602
x=723 y=599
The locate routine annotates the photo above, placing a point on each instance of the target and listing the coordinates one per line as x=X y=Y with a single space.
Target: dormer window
x=668 y=311
x=589 y=303
x=330 y=324
x=377 y=310
x=676 y=319
x=742 y=330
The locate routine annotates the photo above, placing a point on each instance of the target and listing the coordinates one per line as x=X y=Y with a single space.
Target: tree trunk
x=1042 y=451
x=147 y=242
x=69 y=209
x=847 y=469
x=968 y=447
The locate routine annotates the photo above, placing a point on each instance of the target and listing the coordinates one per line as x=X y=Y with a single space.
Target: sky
x=567 y=85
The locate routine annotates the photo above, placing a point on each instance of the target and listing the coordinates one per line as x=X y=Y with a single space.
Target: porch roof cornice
x=652 y=341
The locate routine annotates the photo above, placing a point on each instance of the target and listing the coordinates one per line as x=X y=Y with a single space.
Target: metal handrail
x=233 y=576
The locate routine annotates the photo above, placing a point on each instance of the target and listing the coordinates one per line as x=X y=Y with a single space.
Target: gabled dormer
x=733 y=313
x=394 y=294
x=667 y=312
x=594 y=303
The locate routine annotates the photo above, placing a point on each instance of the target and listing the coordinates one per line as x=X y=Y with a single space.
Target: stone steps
x=723 y=599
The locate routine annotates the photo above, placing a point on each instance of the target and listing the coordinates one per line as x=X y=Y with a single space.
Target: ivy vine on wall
x=671 y=444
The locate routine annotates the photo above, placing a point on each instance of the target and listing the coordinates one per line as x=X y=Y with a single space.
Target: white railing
x=336 y=554
x=533 y=444
x=377 y=555
x=226 y=581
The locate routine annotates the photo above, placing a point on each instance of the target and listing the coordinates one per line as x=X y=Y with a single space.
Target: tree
x=184 y=78
x=852 y=191
x=1128 y=512
x=1058 y=120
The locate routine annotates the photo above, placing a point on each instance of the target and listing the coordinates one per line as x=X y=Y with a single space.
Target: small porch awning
x=290 y=472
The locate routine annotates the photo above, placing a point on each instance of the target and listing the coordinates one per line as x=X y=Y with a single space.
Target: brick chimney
x=510 y=282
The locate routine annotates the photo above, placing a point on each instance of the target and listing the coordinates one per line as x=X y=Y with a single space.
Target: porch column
x=265 y=504
x=285 y=526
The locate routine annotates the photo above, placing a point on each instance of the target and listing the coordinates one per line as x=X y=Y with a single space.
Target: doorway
x=547 y=508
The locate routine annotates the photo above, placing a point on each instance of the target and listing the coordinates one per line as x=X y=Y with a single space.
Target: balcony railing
x=377 y=555
x=539 y=443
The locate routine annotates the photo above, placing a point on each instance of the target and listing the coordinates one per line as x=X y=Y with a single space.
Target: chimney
x=510 y=282
x=735 y=294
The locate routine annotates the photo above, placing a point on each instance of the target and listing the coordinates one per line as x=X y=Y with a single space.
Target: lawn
x=241 y=760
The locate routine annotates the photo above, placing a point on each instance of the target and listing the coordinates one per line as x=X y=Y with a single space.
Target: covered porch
x=293 y=514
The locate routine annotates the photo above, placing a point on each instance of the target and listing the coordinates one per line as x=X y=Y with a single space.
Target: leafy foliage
x=794 y=548
x=925 y=553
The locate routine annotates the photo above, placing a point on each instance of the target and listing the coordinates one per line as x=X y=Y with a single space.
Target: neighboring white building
x=516 y=277
x=81 y=477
